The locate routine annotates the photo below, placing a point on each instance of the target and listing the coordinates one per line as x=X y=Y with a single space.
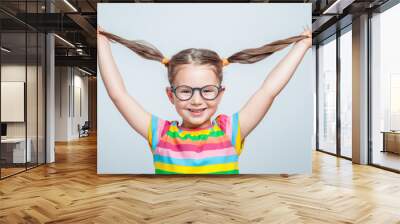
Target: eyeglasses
x=209 y=92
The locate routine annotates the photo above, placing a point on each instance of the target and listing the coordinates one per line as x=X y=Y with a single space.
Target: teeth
x=196 y=110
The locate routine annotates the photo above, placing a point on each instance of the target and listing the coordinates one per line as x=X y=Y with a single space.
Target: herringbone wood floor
x=70 y=191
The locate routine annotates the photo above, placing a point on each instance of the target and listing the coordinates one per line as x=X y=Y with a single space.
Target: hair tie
x=165 y=61
x=225 y=62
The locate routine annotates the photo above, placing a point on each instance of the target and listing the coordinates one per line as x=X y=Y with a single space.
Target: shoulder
x=222 y=119
x=158 y=124
x=229 y=124
x=157 y=128
x=226 y=122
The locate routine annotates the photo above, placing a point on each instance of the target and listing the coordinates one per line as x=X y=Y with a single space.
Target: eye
x=210 y=89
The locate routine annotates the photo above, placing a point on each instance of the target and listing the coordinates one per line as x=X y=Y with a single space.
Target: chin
x=196 y=121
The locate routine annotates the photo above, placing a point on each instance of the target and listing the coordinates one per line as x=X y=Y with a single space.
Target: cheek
x=212 y=104
x=180 y=104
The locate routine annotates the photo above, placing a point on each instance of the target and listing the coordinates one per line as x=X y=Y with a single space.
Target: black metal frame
x=342 y=31
x=369 y=83
x=380 y=9
x=0 y=91
x=200 y=89
x=316 y=97
x=26 y=88
x=338 y=98
x=339 y=32
x=37 y=164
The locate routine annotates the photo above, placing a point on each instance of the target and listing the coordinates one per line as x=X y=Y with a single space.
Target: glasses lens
x=209 y=92
x=183 y=92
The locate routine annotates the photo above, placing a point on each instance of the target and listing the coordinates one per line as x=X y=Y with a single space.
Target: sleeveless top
x=212 y=150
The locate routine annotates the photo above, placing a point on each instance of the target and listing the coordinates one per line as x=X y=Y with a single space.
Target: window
x=346 y=92
x=327 y=96
x=22 y=64
x=385 y=89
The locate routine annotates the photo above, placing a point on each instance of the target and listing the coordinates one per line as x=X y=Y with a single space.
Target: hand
x=99 y=29
x=101 y=38
x=307 y=41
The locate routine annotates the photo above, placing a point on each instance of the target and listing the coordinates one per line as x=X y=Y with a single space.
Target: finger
x=100 y=28
x=303 y=31
x=308 y=31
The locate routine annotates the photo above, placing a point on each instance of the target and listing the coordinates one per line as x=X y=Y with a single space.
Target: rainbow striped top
x=212 y=150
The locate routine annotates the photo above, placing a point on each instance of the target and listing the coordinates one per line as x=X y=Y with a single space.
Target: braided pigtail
x=253 y=55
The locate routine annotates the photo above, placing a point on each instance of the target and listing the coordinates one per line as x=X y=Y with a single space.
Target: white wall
x=80 y=83
x=282 y=143
x=33 y=127
x=15 y=72
x=67 y=115
x=61 y=103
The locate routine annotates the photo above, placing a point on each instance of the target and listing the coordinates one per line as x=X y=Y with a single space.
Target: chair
x=84 y=130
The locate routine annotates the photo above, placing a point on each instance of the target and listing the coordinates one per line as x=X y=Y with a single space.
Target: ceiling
x=75 y=21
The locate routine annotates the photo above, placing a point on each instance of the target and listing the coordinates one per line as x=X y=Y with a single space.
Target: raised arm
x=258 y=105
x=136 y=116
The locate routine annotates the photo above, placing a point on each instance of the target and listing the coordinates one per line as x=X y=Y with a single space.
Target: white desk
x=19 y=149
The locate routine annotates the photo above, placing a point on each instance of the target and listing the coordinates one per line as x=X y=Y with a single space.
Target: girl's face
x=197 y=111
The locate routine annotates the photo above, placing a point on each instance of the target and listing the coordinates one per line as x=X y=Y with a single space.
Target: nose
x=196 y=98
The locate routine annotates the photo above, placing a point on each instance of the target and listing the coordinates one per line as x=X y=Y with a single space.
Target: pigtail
x=253 y=55
x=140 y=47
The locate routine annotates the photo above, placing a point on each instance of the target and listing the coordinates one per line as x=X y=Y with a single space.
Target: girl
x=198 y=145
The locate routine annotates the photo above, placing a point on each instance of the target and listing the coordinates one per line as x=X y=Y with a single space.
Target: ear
x=170 y=94
x=223 y=90
x=221 y=93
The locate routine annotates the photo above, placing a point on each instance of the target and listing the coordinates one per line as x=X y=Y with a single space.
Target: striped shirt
x=212 y=150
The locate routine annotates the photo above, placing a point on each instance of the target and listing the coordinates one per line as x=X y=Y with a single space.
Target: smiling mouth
x=197 y=110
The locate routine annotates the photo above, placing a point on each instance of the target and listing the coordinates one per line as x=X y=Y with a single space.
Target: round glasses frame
x=218 y=88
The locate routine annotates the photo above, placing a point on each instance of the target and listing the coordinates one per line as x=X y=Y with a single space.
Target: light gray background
x=282 y=142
